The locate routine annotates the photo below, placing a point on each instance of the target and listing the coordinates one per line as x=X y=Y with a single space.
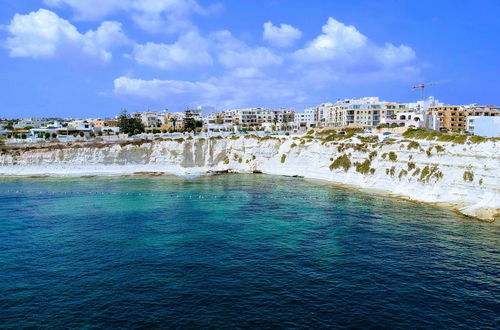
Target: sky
x=93 y=58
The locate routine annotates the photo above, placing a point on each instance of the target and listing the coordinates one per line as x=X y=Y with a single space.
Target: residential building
x=413 y=120
x=454 y=117
x=488 y=126
x=307 y=118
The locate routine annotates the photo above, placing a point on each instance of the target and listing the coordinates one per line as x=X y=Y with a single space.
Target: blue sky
x=94 y=57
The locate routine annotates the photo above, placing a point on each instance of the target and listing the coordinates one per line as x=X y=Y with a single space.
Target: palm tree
x=275 y=121
x=173 y=120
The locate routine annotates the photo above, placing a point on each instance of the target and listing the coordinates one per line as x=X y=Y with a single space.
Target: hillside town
x=369 y=113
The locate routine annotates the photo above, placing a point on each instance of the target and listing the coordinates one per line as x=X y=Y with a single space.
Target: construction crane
x=423 y=86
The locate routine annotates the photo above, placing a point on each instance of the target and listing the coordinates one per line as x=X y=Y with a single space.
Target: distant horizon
x=66 y=58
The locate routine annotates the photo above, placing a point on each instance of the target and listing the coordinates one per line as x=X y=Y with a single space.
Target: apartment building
x=359 y=112
x=454 y=117
x=250 y=116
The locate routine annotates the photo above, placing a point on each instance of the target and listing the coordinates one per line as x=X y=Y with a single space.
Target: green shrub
x=416 y=172
x=364 y=167
x=372 y=155
x=390 y=171
x=283 y=158
x=384 y=155
x=480 y=181
x=342 y=161
x=430 y=172
x=429 y=152
x=293 y=145
x=240 y=160
x=402 y=173
x=310 y=132
x=226 y=160
x=235 y=137
x=439 y=148
x=468 y=176
x=477 y=139
x=411 y=166
x=372 y=170
x=413 y=145
x=368 y=139
x=392 y=156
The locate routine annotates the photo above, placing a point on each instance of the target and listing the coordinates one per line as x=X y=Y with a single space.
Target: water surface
x=237 y=251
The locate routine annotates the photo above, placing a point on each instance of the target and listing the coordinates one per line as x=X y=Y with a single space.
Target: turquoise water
x=237 y=251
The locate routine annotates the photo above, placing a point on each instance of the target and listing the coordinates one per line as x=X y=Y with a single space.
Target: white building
x=488 y=126
x=414 y=120
x=307 y=118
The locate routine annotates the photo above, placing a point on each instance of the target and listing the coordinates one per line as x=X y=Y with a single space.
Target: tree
x=130 y=125
x=173 y=120
x=189 y=121
x=54 y=135
x=47 y=136
x=23 y=136
x=81 y=134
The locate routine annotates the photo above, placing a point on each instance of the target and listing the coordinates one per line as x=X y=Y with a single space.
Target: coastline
x=310 y=159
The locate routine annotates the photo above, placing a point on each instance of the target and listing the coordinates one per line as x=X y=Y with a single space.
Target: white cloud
x=255 y=57
x=344 y=48
x=234 y=53
x=43 y=34
x=90 y=10
x=164 y=15
x=280 y=36
x=224 y=92
x=167 y=16
x=190 y=50
x=338 y=41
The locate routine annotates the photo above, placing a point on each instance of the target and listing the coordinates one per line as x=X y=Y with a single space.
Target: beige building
x=454 y=117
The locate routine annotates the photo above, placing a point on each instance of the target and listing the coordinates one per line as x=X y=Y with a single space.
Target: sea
x=238 y=251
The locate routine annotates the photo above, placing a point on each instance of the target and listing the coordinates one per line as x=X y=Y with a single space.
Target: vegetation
x=402 y=173
x=342 y=161
x=468 y=176
x=372 y=155
x=480 y=181
x=368 y=139
x=411 y=166
x=416 y=172
x=439 y=148
x=413 y=145
x=129 y=125
x=226 y=160
x=439 y=136
x=392 y=156
x=429 y=172
x=283 y=158
x=364 y=167
x=477 y=139
x=390 y=171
